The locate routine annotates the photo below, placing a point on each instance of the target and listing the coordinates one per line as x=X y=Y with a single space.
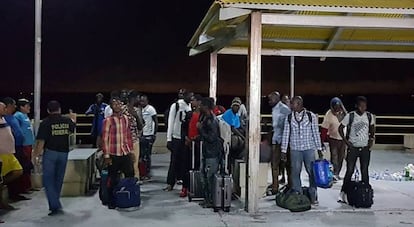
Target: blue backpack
x=127 y=193
x=322 y=173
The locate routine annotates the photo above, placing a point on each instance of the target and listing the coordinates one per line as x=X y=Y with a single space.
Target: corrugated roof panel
x=296 y=32
x=407 y=4
x=378 y=35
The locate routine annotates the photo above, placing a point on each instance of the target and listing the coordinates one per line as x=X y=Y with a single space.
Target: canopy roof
x=319 y=28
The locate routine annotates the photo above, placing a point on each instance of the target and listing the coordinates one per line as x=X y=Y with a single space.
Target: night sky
x=101 y=45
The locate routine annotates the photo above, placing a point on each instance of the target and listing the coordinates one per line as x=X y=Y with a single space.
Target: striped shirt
x=116 y=136
x=301 y=134
x=133 y=122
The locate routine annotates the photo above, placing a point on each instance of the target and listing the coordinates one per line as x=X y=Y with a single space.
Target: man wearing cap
x=98 y=110
x=329 y=131
x=52 y=142
x=232 y=116
x=23 y=109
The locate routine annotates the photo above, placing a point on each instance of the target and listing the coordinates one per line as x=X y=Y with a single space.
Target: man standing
x=117 y=146
x=360 y=137
x=212 y=147
x=279 y=113
x=11 y=169
x=98 y=110
x=52 y=142
x=175 y=140
x=301 y=133
x=149 y=132
x=23 y=109
x=329 y=129
x=135 y=124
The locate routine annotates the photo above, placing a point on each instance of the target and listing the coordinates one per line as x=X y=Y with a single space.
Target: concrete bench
x=80 y=172
x=409 y=142
x=240 y=179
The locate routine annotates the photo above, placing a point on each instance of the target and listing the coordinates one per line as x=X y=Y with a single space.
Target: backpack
x=293 y=201
x=351 y=120
x=307 y=113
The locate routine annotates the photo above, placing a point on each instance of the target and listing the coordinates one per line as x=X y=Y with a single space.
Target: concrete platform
x=394 y=206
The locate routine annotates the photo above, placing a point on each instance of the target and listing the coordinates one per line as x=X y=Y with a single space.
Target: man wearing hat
x=23 y=109
x=52 y=142
x=232 y=116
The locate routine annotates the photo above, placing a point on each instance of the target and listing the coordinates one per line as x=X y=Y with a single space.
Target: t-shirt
x=26 y=127
x=331 y=123
x=359 y=134
x=147 y=113
x=55 y=131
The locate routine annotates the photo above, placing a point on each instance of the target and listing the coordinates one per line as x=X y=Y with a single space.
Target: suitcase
x=127 y=193
x=359 y=194
x=196 y=187
x=222 y=188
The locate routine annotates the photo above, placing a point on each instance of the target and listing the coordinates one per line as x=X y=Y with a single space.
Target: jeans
x=296 y=160
x=337 y=149
x=146 y=151
x=364 y=155
x=54 y=167
x=210 y=168
x=120 y=164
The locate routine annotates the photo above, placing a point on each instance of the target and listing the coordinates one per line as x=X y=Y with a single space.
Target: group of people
x=125 y=131
x=296 y=137
x=19 y=152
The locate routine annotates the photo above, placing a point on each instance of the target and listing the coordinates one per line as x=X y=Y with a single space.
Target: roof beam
x=322 y=8
x=322 y=53
x=230 y=13
x=337 y=21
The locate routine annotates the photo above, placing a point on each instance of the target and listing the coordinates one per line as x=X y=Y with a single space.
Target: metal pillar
x=213 y=76
x=37 y=65
x=292 y=76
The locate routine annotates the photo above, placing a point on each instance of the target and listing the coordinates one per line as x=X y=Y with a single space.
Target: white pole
x=213 y=75
x=292 y=76
x=37 y=67
x=254 y=99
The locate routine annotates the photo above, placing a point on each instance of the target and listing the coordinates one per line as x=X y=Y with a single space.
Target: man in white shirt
x=148 y=133
x=329 y=131
x=175 y=139
x=360 y=137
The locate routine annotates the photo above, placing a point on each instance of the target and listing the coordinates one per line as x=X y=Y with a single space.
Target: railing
x=390 y=129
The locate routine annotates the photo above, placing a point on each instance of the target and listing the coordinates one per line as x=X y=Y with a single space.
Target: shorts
x=10 y=163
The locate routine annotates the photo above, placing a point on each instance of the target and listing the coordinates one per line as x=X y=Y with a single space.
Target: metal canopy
x=347 y=28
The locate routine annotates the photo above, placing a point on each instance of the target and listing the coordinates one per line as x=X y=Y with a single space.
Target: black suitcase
x=360 y=194
x=196 y=187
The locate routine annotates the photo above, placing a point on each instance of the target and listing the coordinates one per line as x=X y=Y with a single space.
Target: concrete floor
x=394 y=206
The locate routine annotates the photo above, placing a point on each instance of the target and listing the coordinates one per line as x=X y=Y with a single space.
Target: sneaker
x=343 y=198
x=184 y=192
x=168 y=188
x=315 y=203
x=179 y=182
x=18 y=198
x=55 y=212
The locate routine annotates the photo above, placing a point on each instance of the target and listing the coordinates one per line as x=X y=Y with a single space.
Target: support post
x=37 y=65
x=213 y=75
x=292 y=76
x=254 y=100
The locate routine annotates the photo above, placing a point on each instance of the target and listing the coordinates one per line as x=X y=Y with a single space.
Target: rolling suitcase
x=196 y=187
x=222 y=188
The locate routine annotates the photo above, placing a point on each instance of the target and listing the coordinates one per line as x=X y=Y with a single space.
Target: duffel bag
x=127 y=193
